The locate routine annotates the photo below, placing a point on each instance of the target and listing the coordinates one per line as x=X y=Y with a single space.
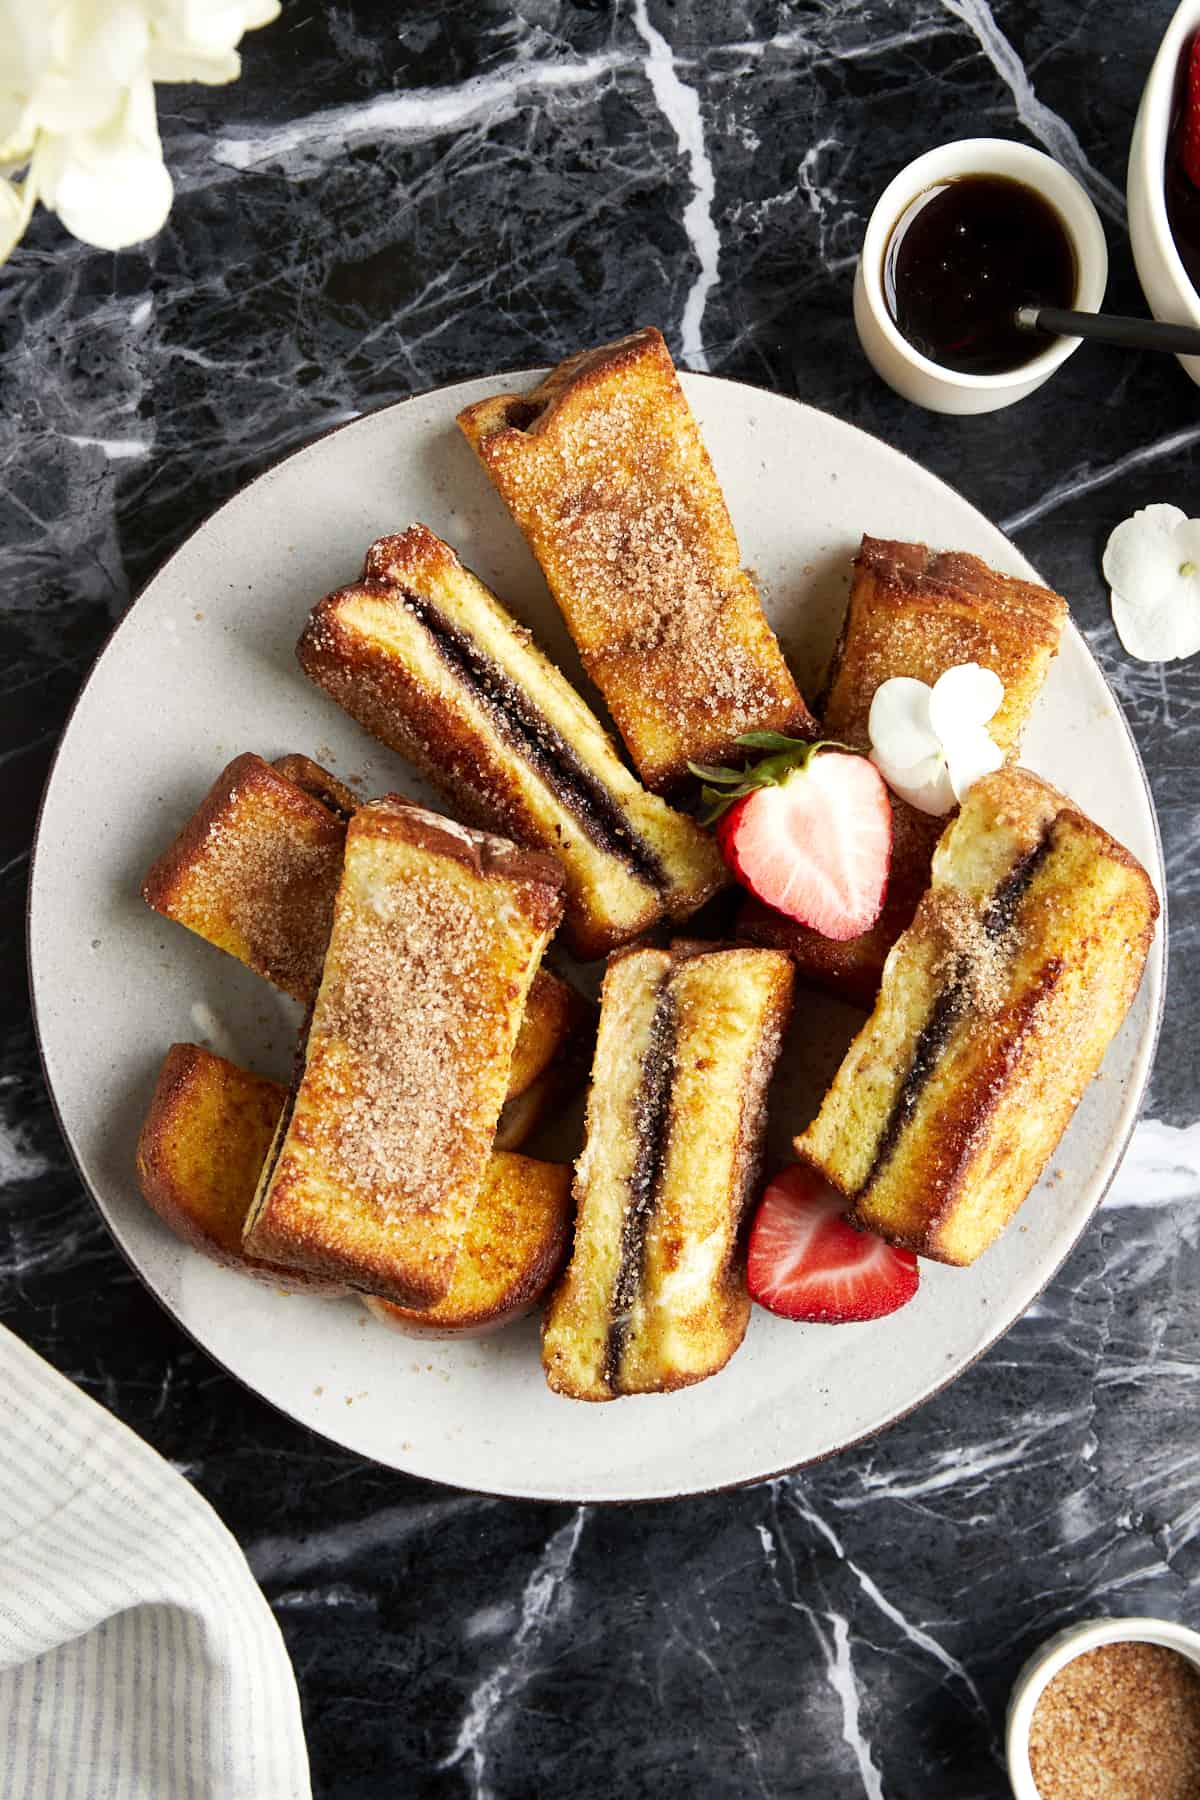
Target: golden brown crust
x=318 y=781
x=568 y=1024
x=255 y=833
x=204 y=1140
x=603 y=468
x=252 y=891
x=203 y=1145
x=437 y=932
x=396 y=818
x=996 y=1009
x=410 y=555
x=917 y=612
x=392 y=651
x=513 y=1248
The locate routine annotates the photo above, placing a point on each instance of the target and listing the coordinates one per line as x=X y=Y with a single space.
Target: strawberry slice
x=807 y=1262
x=808 y=830
x=1189 y=125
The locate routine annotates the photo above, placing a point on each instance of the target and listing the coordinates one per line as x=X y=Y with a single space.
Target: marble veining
x=395 y=196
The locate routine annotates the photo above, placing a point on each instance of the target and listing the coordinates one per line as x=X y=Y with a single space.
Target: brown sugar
x=275 y=884
x=970 y=955
x=1121 y=1722
x=415 y=1005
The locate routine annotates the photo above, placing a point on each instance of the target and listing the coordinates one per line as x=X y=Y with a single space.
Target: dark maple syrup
x=962 y=257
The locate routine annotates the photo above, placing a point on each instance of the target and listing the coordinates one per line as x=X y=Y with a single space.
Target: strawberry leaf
x=722 y=786
x=714 y=804
x=713 y=772
x=772 y=740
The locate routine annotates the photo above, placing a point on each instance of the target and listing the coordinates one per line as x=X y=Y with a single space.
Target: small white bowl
x=1165 y=281
x=1055 y=1654
x=889 y=351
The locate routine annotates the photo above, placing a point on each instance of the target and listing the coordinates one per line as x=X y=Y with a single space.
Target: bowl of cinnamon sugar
x=1108 y=1711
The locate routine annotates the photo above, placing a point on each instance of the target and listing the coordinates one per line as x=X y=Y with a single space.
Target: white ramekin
x=889 y=351
x=1165 y=281
x=1054 y=1655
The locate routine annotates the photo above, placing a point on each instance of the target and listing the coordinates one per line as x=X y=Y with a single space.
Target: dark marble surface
x=397 y=195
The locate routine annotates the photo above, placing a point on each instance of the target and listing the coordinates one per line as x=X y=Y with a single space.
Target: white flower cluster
x=78 y=129
x=932 y=744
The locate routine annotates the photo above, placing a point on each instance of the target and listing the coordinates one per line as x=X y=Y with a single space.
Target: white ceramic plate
x=202 y=668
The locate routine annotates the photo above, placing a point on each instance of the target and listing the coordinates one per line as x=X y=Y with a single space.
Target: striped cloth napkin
x=138 y=1658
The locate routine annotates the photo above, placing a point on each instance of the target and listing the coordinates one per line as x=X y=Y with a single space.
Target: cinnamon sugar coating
x=603 y=468
x=437 y=932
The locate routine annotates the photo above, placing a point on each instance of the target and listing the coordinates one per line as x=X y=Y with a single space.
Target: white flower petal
x=169 y=63
x=1163 y=629
x=27 y=33
x=209 y=27
x=26 y=55
x=970 y=755
x=1152 y=562
x=966 y=696
x=70 y=102
x=1141 y=550
x=16 y=204
x=102 y=44
x=898 y=724
x=140 y=121
x=109 y=187
x=1185 y=540
x=925 y=785
x=17 y=132
x=931 y=744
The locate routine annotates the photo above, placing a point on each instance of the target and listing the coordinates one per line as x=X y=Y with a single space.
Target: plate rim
x=1162 y=937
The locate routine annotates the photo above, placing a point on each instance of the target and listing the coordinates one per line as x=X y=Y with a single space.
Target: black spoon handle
x=1133 y=334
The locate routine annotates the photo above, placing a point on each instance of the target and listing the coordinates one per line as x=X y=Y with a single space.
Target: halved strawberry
x=808 y=830
x=1189 y=124
x=806 y=1262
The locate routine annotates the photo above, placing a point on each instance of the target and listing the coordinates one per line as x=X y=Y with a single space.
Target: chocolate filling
x=650 y=1118
x=933 y=1038
x=1001 y=911
x=999 y=917
x=520 y=414
x=531 y=735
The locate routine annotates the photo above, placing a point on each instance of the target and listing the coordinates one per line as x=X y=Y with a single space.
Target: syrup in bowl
x=962 y=257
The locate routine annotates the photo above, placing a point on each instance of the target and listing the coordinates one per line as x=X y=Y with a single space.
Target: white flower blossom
x=78 y=129
x=1152 y=566
x=932 y=744
x=16 y=204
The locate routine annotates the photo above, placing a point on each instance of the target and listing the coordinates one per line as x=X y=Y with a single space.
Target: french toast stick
x=381 y=1151
x=655 y=1297
x=514 y=1246
x=916 y=612
x=255 y=869
x=428 y=661
x=995 y=1011
x=603 y=468
x=201 y=1151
